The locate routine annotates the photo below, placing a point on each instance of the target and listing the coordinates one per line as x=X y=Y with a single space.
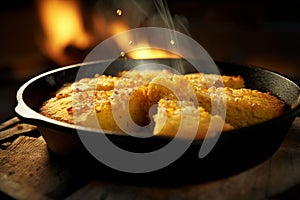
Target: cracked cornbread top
x=161 y=101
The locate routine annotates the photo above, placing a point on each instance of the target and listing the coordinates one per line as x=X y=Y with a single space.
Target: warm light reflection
x=138 y=49
x=151 y=53
x=62 y=25
x=119 y=12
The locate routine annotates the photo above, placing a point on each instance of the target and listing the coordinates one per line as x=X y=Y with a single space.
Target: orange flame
x=144 y=50
x=151 y=53
x=62 y=25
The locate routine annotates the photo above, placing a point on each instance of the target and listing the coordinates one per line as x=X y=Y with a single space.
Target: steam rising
x=70 y=29
x=179 y=23
x=141 y=13
x=118 y=16
x=141 y=26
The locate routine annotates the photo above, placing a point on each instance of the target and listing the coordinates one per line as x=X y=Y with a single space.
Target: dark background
x=261 y=33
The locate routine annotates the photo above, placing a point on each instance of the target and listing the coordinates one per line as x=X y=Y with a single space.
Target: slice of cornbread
x=170 y=87
x=57 y=108
x=116 y=110
x=188 y=120
x=244 y=106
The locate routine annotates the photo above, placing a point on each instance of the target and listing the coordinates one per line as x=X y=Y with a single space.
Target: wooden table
x=28 y=170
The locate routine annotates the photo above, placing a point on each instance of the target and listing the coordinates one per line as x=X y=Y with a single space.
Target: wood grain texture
x=9 y=123
x=27 y=162
x=15 y=131
x=28 y=170
x=265 y=181
x=17 y=190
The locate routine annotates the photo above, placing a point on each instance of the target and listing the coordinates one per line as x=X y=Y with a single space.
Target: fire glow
x=151 y=53
x=63 y=26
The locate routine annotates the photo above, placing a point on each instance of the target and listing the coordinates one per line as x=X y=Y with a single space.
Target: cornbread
x=173 y=116
x=245 y=107
x=201 y=80
x=194 y=104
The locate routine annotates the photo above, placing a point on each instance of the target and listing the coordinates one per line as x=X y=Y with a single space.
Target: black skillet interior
x=235 y=151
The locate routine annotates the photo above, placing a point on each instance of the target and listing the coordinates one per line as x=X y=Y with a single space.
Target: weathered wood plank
x=9 y=123
x=265 y=181
x=16 y=130
x=260 y=182
x=27 y=161
x=19 y=191
x=27 y=166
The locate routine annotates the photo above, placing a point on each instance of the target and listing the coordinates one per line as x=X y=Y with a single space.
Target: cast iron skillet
x=235 y=150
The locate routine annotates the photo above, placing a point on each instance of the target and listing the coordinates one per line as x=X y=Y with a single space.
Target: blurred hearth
x=37 y=36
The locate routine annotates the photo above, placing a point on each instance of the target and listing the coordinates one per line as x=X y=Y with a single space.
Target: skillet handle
x=24 y=111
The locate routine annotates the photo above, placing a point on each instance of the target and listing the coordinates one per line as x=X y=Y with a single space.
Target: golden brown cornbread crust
x=182 y=116
x=121 y=103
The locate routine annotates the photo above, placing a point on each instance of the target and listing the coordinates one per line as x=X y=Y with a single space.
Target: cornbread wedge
x=106 y=110
x=171 y=87
x=70 y=98
x=57 y=108
x=194 y=122
x=245 y=107
x=127 y=107
x=181 y=86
